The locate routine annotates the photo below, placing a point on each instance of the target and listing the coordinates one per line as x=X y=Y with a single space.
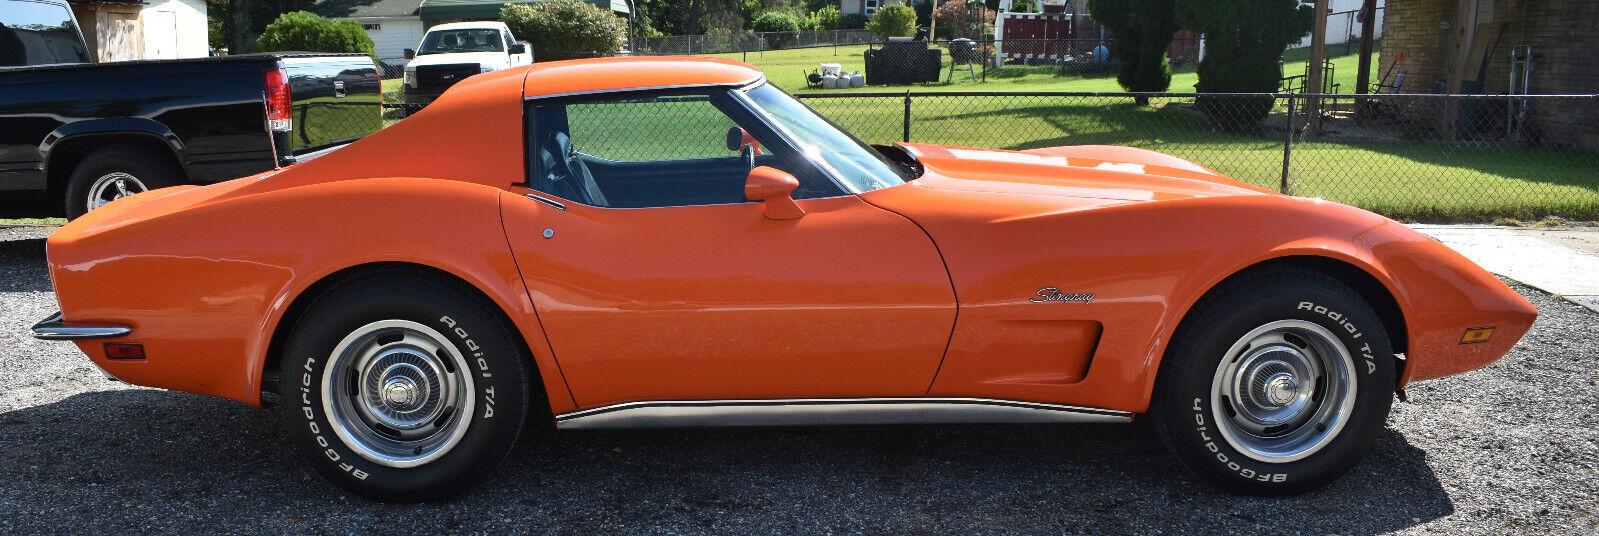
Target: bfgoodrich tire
x=1275 y=384
x=403 y=387
x=115 y=172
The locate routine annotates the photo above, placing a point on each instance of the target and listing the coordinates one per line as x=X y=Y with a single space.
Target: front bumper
x=56 y=329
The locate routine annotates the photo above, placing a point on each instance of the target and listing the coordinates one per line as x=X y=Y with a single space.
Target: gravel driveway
x=1510 y=449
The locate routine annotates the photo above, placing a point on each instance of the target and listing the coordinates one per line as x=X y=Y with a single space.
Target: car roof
x=636 y=72
x=467 y=25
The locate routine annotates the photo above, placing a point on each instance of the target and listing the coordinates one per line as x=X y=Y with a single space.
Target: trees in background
x=566 y=29
x=962 y=18
x=1143 y=30
x=1244 y=39
x=303 y=30
x=897 y=20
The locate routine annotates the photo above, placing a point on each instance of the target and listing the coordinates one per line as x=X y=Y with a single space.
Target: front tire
x=1276 y=384
x=403 y=387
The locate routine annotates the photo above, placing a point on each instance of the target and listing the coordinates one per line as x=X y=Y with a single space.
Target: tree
x=961 y=18
x=823 y=19
x=1244 y=39
x=897 y=20
x=303 y=30
x=1143 y=30
x=565 y=29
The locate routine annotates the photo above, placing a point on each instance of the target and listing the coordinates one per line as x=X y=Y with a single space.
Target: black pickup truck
x=75 y=135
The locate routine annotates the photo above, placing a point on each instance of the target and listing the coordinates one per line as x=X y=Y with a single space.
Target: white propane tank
x=829 y=81
x=832 y=69
x=857 y=80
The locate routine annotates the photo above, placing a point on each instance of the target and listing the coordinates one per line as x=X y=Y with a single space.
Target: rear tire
x=401 y=386
x=1275 y=384
x=115 y=172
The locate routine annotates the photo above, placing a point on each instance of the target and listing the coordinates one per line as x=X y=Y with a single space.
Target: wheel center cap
x=1281 y=389
x=399 y=391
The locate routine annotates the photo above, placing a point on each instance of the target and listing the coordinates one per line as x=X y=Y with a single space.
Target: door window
x=35 y=33
x=654 y=151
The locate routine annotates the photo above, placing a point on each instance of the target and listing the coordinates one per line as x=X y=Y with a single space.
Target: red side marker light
x=1476 y=335
x=123 y=350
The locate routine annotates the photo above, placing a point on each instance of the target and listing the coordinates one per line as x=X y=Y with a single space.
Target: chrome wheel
x=113 y=186
x=1283 y=391
x=398 y=393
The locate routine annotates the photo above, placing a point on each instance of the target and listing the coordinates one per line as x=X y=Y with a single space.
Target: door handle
x=338 y=89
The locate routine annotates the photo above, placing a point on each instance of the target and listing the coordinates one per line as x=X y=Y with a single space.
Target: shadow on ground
x=144 y=459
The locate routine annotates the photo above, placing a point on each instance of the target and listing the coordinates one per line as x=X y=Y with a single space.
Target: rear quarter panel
x=204 y=288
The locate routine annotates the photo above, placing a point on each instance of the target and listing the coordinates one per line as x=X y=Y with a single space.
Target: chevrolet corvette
x=671 y=242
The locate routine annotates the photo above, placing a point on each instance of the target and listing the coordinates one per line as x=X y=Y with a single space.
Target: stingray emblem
x=1052 y=294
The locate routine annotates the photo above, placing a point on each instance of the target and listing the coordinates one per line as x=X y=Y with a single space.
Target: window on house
x=372 y=27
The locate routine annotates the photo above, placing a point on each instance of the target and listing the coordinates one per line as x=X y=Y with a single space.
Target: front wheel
x=1276 y=384
x=399 y=386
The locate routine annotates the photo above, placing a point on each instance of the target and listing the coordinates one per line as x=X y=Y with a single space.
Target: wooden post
x=1363 y=78
x=1313 y=82
x=1461 y=34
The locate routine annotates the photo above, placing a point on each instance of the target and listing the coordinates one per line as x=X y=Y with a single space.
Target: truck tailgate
x=337 y=98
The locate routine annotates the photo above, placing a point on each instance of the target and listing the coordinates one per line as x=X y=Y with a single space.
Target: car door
x=665 y=284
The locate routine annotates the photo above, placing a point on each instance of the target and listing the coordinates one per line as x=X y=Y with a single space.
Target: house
x=865 y=7
x=125 y=30
x=1465 y=46
x=396 y=25
x=393 y=25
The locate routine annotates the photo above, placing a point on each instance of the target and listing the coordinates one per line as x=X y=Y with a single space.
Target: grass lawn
x=787 y=69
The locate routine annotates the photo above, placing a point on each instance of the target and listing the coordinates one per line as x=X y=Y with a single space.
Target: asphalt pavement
x=1509 y=449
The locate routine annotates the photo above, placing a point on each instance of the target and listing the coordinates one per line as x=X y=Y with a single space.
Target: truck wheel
x=1276 y=384
x=116 y=172
x=404 y=387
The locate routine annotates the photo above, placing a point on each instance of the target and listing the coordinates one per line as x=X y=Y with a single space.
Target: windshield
x=473 y=40
x=820 y=139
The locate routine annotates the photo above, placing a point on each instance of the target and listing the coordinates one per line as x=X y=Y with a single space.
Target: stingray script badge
x=1052 y=294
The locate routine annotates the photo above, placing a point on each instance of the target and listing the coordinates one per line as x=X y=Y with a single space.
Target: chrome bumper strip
x=56 y=329
x=830 y=411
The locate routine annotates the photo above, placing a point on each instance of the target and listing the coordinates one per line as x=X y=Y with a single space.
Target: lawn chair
x=963 y=52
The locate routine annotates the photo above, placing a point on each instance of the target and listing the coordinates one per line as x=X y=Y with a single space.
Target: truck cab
x=451 y=52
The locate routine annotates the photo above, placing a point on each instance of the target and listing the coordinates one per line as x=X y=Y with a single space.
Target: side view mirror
x=410 y=53
x=518 y=48
x=775 y=187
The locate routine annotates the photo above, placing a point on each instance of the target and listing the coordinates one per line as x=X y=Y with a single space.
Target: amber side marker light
x=123 y=350
x=1476 y=335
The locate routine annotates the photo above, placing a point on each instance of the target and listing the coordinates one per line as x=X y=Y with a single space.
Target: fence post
x=907 y=138
x=1288 y=144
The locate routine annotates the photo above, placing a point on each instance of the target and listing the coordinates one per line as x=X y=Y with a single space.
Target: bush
x=826 y=18
x=898 y=20
x=565 y=29
x=781 y=27
x=305 y=31
x=1244 y=39
x=852 y=21
x=1143 y=31
x=959 y=18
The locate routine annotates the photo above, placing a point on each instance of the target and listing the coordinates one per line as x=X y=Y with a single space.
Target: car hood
x=1088 y=172
x=480 y=58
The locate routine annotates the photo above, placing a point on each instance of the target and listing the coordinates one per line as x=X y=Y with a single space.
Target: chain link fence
x=1416 y=157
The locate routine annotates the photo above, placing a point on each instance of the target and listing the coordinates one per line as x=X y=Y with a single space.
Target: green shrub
x=1244 y=40
x=565 y=29
x=898 y=20
x=852 y=21
x=778 y=28
x=305 y=31
x=826 y=18
x=1143 y=31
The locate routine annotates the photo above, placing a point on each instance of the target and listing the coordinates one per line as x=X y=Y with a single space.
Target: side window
x=36 y=33
x=654 y=151
x=508 y=39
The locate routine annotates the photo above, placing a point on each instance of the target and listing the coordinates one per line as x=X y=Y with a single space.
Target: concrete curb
x=1561 y=261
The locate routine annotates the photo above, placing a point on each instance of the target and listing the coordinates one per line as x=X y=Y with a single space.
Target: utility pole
x=1313 y=82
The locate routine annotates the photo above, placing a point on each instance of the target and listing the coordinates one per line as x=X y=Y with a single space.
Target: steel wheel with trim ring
x=403 y=386
x=1276 y=383
x=115 y=172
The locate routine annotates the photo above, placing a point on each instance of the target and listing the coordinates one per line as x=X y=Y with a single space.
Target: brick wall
x=1564 y=35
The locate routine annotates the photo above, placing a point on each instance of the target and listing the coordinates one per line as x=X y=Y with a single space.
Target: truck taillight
x=278 y=102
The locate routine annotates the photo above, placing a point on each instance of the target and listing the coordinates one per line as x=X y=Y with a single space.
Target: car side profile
x=654 y=242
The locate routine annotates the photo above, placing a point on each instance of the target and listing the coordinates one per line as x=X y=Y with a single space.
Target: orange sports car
x=652 y=242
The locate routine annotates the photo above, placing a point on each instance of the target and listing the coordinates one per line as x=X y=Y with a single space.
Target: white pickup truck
x=451 y=52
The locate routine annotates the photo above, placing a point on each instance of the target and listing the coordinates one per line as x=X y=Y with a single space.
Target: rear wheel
x=116 y=172
x=401 y=386
x=1276 y=384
